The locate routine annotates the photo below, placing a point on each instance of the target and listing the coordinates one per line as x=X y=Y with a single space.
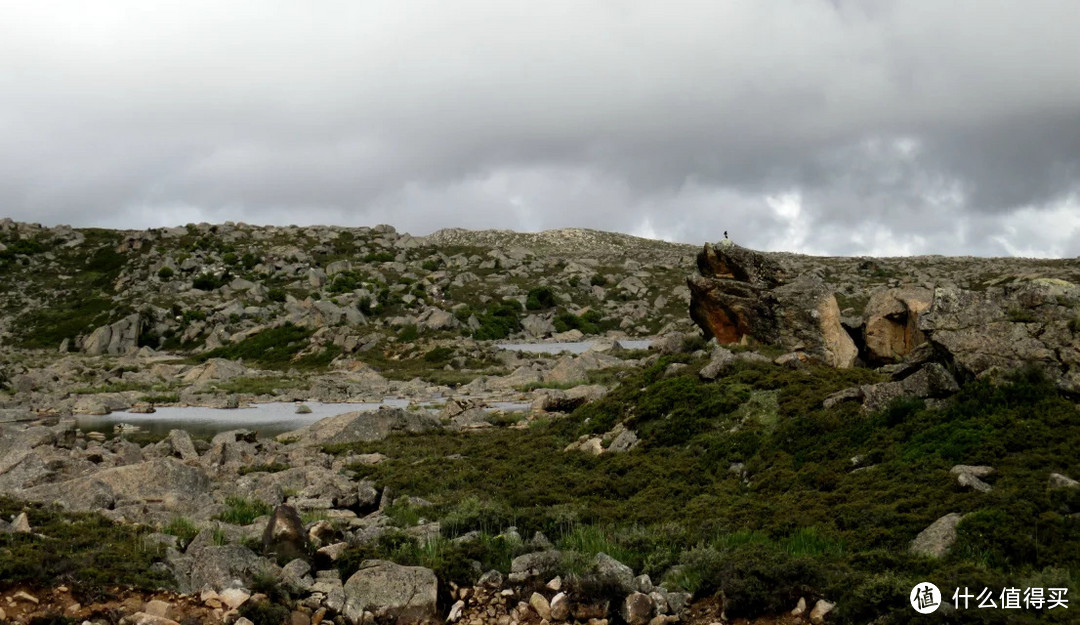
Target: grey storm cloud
x=843 y=127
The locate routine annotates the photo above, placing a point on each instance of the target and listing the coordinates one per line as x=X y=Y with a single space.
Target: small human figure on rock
x=725 y=234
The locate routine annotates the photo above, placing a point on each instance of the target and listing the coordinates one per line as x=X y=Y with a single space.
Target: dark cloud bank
x=822 y=127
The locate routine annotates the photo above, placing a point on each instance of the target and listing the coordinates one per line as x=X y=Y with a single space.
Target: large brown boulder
x=745 y=296
x=808 y=320
x=892 y=323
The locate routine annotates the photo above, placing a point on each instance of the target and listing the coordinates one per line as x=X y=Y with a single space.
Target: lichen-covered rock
x=362 y=426
x=402 y=594
x=1024 y=323
x=216 y=566
x=938 y=537
x=118 y=338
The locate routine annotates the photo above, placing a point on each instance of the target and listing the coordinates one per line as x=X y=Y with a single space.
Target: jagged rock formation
x=745 y=296
x=1032 y=322
x=117 y=338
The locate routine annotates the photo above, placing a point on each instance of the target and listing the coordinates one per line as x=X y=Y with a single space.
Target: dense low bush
x=540 y=298
x=500 y=320
x=589 y=322
x=87 y=552
x=276 y=348
x=746 y=487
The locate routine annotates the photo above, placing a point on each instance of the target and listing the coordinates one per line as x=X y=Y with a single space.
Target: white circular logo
x=925 y=598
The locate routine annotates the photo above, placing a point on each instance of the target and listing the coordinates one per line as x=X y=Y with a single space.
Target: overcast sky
x=826 y=127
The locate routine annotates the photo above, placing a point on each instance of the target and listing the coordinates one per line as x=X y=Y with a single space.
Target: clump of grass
x=242 y=511
x=1020 y=315
x=183 y=529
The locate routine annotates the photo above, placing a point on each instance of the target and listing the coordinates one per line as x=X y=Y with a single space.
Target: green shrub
x=87 y=552
x=65 y=318
x=271 y=348
x=439 y=355
x=207 y=282
x=345 y=282
x=165 y=273
x=379 y=257
x=540 y=298
x=591 y=322
x=500 y=320
x=230 y=258
x=408 y=333
x=1074 y=325
x=598 y=280
x=1020 y=315
x=754 y=578
x=276 y=294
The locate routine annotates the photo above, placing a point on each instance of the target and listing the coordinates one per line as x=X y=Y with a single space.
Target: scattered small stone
x=560 y=607
x=637 y=609
x=1058 y=480
x=800 y=608
x=820 y=611
x=21 y=524
x=455 y=612
x=156 y=607
x=234 y=597
x=22 y=595
x=142 y=618
x=540 y=604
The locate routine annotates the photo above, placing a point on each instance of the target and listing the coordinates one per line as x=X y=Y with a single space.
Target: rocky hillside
x=832 y=431
x=199 y=287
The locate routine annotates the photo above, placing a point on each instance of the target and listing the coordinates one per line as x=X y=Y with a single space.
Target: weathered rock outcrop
x=405 y=594
x=168 y=482
x=362 y=426
x=1028 y=322
x=119 y=338
x=742 y=295
x=891 y=321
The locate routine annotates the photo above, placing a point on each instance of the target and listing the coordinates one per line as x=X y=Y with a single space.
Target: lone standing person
x=725 y=234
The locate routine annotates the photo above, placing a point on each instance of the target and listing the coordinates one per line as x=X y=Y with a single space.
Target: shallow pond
x=268 y=419
x=576 y=347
